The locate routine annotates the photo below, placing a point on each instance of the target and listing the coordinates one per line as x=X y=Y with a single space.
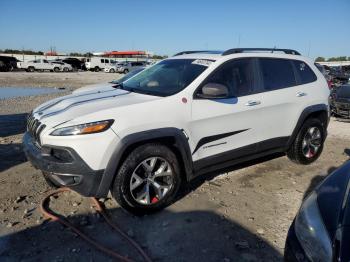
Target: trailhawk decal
x=208 y=139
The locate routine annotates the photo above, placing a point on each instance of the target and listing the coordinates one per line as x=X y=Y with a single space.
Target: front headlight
x=83 y=129
x=311 y=232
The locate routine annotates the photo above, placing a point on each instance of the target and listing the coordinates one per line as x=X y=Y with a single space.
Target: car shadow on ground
x=11 y=154
x=12 y=124
x=198 y=181
x=165 y=236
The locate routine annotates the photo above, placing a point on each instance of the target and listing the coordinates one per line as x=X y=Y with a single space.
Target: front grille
x=34 y=128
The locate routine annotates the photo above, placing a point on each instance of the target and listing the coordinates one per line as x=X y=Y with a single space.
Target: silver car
x=130 y=66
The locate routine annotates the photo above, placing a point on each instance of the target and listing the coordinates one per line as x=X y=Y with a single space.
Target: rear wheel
x=126 y=71
x=308 y=144
x=112 y=70
x=56 y=69
x=148 y=179
x=31 y=69
x=97 y=69
x=66 y=69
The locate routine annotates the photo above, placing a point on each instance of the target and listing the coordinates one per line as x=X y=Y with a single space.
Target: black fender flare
x=304 y=115
x=180 y=141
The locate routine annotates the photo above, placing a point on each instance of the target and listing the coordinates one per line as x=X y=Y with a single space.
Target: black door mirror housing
x=213 y=90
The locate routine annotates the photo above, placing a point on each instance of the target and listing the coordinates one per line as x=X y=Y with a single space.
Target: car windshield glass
x=166 y=78
x=127 y=76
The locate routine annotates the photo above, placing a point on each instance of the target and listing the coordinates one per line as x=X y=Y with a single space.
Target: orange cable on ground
x=100 y=210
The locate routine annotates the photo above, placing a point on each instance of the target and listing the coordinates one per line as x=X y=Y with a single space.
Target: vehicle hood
x=332 y=197
x=101 y=87
x=71 y=107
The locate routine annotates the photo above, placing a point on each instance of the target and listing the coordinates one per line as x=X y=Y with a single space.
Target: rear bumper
x=63 y=167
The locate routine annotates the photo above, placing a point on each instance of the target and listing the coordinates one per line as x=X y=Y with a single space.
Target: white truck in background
x=96 y=63
x=39 y=64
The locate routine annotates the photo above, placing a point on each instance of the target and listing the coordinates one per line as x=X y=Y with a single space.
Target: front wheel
x=112 y=70
x=308 y=144
x=56 y=69
x=126 y=71
x=148 y=180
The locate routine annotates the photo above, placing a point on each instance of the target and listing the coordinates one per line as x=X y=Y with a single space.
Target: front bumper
x=293 y=252
x=63 y=167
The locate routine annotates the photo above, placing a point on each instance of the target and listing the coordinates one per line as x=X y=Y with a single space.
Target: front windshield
x=166 y=78
x=127 y=76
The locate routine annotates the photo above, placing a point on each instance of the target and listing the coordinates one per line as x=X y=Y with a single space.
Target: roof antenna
x=273 y=49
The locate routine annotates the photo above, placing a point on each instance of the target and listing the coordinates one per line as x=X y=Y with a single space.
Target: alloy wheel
x=151 y=181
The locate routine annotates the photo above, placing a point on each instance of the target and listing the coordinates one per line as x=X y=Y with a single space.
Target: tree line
x=332 y=59
x=31 y=52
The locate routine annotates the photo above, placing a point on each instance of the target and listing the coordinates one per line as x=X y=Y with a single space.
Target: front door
x=228 y=128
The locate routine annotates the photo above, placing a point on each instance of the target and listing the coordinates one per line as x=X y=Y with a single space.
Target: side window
x=106 y=61
x=277 y=73
x=305 y=73
x=102 y=61
x=45 y=61
x=237 y=75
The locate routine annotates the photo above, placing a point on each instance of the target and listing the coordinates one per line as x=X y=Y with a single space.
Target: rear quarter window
x=277 y=73
x=305 y=73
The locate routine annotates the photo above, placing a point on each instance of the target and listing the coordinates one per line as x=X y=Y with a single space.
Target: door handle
x=301 y=94
x=253 y=103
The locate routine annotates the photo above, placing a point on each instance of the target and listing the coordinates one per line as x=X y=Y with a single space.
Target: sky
x=313 y=27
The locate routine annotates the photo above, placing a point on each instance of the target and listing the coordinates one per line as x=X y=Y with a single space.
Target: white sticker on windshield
x=202 y=62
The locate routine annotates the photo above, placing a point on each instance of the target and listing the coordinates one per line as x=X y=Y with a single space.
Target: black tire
x=65 y=69
x=296 y=154
x=126 y=71
x=121 y=186
x=56 y=69
x=97 y=69
x=31 y=69
x=112 y=70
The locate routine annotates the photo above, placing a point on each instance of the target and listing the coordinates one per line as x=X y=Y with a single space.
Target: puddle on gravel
x=11 y=92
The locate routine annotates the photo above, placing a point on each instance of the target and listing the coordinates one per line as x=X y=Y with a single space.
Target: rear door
x=282 y=101
x=228 y=128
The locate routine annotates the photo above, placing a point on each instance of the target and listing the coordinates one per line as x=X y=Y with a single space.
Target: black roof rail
x=242 y=50
x=199 y=51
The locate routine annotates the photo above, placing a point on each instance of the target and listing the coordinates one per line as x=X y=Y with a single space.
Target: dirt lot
x=242 y=215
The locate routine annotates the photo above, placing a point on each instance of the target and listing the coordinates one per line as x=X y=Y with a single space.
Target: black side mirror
x=213 y=90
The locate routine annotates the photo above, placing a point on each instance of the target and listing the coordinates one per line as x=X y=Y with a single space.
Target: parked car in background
x=39 y=64
x=112 y=68
x=8 y=63
x=325 y=73
x=64 y=67
x=75 y=63
x=321 y=229
x=96 y=63
x=340 y=101
x=340 y=74
x=130 y=66
x=108 y=86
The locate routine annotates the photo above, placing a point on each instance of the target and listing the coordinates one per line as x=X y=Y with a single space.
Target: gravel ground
x=242 y=215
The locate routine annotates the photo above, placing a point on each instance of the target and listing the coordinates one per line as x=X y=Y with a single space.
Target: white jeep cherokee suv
x=190 y=114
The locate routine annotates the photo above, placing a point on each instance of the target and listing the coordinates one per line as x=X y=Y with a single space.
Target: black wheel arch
x=173 y=137
x=319 y=111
